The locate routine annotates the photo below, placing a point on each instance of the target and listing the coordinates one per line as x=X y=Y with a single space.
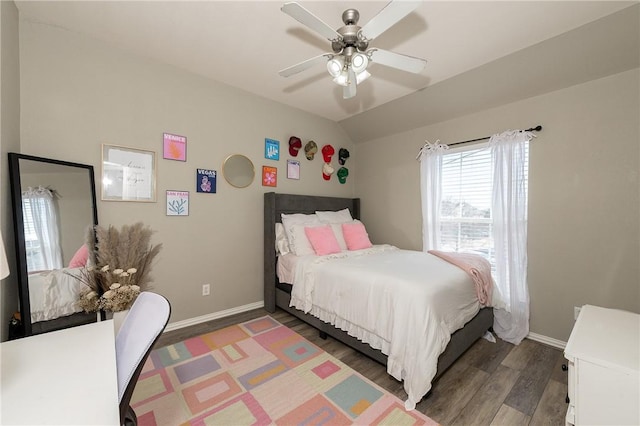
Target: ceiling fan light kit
x=362 y=76
x=342 y=79
x=359 y=62
x=335 y=66
x=351 y=55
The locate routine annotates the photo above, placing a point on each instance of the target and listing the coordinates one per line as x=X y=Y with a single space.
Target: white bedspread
x=53 y=294
x=405 y=303
x=286 y=267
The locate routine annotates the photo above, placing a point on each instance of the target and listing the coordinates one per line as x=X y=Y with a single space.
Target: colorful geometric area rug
x=259 y=373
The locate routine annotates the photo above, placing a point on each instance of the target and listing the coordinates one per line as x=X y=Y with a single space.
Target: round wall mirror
x=238 y=170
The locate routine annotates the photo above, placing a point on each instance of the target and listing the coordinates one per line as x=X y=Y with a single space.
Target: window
x=42 y=239
x=35 y=257
x=465 y=209
x=475 y=200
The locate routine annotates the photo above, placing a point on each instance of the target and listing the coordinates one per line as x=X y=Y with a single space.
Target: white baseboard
x=213 y=316
x=257 y=305
x=547 y=340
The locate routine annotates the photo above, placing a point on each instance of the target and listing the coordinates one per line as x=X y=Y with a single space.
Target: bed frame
x=277 y=294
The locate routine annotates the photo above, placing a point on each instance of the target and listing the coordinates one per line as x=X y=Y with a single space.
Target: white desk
x=60 y=378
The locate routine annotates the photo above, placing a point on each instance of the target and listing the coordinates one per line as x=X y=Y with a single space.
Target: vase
x=118 y=319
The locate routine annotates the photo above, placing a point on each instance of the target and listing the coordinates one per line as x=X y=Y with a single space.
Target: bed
x=53 y=294
x=52 y=300
x=279 y=294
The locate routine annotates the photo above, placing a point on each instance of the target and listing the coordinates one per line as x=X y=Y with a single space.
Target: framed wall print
x=206 y=181
x=269 y=176
x=177 y=203
x=271 y=149
x=128 y=174
x=293 y=169
x=174 y=147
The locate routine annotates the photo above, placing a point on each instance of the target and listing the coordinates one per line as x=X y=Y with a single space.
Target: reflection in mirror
x=238 y=170
x=53 y=207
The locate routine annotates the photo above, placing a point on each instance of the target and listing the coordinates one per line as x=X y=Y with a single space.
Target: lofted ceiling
x=245 y=43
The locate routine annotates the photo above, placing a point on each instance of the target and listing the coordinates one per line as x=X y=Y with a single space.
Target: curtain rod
x=532 y=129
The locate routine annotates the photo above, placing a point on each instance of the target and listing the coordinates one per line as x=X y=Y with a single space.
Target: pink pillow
x=322 y=240
x=355 y=235
x=80 y=258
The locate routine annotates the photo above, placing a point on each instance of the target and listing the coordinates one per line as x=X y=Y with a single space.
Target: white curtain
x=41 y=229
x=509 y=211
x=430 y=157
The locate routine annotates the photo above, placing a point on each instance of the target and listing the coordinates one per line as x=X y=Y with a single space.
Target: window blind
x=33 y=246
x=465 y=209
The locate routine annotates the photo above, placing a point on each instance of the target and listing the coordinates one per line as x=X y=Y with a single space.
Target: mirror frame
x=253 y=168
x=18 y=228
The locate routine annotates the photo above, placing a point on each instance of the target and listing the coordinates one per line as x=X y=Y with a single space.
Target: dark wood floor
x=491 y=384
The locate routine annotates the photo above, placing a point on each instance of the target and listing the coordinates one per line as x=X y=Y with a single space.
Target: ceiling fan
x=351 y=55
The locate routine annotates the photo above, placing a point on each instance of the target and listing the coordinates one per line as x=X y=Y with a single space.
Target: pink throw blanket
x=477 y=267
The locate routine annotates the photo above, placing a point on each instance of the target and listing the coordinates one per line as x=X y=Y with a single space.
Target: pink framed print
x=174 y=147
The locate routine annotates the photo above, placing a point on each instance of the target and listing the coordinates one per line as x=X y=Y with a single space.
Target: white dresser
x=604 y=368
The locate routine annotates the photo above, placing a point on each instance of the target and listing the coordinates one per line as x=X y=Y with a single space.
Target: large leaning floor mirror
x=54 y=206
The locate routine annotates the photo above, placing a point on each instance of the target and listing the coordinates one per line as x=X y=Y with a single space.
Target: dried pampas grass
x=124 y=248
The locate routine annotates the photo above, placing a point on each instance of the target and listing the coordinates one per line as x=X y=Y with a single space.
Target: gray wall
x=584 y=193
x=78 y=93
x=9 y=141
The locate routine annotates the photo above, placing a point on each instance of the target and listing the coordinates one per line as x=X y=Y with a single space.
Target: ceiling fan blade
x=307 y=18
x=396 y=60
x=349 y=91
x=387 y=17
x=305 y=65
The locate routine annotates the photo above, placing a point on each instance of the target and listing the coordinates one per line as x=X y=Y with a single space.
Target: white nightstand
x=604 y=362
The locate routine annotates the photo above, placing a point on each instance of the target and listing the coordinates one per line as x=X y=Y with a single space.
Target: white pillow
x=341 y=216
x=282 y=243
x=337 y=231
x=294 y=225
x=298 y=241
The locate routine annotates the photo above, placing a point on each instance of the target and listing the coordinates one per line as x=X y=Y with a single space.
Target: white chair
x=140 y=330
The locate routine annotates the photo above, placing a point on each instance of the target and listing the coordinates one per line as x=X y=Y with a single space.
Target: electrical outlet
x=576 y=312
x=206 y=289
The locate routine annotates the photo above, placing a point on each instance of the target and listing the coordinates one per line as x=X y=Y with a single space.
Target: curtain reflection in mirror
x=42 y=237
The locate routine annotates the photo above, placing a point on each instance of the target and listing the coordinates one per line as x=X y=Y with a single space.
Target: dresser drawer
x=606 y=396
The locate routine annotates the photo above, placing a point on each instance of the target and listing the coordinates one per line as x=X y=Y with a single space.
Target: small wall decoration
x=327 y=153
x=343 y=155
x=293 y=169
x=206 y=181
x=174 y=147
x=294 y=145
x=177 y=203
x=271 y=149
x=327 y=171
x=128 y=174
x=310 y=150
x=342 y=173
x=269 y=176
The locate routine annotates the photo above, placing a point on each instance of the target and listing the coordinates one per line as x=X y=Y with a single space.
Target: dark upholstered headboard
x=276 y=204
